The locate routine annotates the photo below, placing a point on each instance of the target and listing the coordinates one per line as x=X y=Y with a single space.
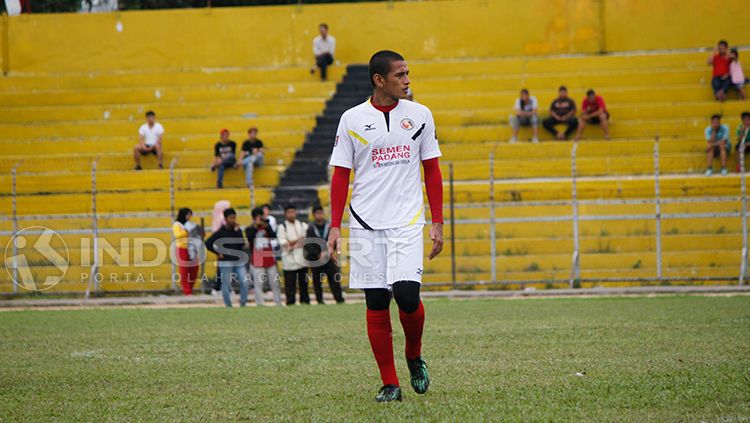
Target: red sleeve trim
x=339 y=192
x=433 y=181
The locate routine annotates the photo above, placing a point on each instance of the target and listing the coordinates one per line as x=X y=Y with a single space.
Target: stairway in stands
x=310 y=165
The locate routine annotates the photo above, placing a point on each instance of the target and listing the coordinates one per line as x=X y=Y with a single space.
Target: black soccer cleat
x=389 y=393
x=420 y=380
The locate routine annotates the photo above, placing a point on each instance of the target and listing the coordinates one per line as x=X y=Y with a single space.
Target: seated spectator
x=263 y=261
x=525 y=114
x=593 y=111
x=291 y=236
x=720 y=80
x=736 y=74
x=562 y=110
x=224 y=156
x=150 y=135
x=318 y=252
x=251 y=155
x=717 y=139
x=324 y=47
x=743 y=137
x=229 y=244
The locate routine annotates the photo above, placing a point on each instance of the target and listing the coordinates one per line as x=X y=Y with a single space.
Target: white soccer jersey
x=385 y=151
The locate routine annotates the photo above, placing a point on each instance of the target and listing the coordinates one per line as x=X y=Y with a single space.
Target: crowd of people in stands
x=249 y=256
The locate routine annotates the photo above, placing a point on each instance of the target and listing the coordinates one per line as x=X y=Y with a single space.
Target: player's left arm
x=429 y=153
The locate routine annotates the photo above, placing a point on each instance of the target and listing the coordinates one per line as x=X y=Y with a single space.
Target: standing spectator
x=526 y=112
x=718 y=144
x=217 y=221
x=263 y=261
x=743 y=137
x=228 y=244
x=291 y=237
x=593 y=111
x=251 y=155
x=150 y=135
x=269 y=217
x=324 y=47
x=562 y=110
x=736 y=73
x=720 y=80
x=318 y=252
x=224 y=156
x=183 y=229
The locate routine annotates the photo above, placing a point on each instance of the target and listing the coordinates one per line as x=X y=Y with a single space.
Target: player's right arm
x=342 y=159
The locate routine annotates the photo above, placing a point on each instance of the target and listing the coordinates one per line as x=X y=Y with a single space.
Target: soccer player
x=384 y=140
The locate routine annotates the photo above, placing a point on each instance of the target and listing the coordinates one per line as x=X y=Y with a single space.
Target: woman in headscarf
x=217 y=221
x=187 y=264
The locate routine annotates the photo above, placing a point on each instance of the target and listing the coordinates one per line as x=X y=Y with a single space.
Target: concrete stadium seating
x=53 y=126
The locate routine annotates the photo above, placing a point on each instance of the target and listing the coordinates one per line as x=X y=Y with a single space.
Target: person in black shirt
x=252 y=155
x=229 y=245
x=224 y=156
x=562 y=110
x=317 y=253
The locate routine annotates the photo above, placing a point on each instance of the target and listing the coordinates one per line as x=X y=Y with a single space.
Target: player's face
x=396 y=83
x=291 y=215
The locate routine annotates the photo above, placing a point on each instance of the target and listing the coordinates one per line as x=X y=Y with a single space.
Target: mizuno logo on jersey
x=370 y=127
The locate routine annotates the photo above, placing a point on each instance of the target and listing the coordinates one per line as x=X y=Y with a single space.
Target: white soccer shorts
x=379 y=258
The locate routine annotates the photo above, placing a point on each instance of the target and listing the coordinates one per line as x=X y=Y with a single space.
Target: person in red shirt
x=720 y=80
x=263 y=262
x=593 y=111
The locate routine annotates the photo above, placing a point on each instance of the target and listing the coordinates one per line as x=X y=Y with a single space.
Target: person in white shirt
x=386 y=141
x=324 y=47
x=291 y=236
x=525 y=113
x=150 y=135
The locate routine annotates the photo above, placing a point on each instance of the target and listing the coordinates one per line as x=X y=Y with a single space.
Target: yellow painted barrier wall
x=282 y=35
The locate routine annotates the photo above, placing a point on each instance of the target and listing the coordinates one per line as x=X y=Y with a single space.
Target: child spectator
x=593 y=111
x=263 y=261
x=720 y=76
x=736 y=73
x=562 y=110
x=224 y=156
x=251 y=155
x=150 y=135
x=743 y=137
x=525 y=114
x=718 y=144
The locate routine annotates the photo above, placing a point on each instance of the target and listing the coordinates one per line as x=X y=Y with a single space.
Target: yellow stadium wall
x=281 y=35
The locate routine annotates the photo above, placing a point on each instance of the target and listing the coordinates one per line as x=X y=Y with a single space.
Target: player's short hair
x=229 y=212
x=524 y=91
x=380 y=63
x=317 y=208
x=290 y=206
x=590 y=92
x=716 y=116
x=723 y=43
x=744 y=115
x=324 y=25
x=258 y=211
x=251 y=129
x=150 y=113
x=562 y=88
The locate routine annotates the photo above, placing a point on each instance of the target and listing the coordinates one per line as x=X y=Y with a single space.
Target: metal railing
x=161 y=222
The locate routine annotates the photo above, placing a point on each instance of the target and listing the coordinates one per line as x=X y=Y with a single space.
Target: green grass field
x=658 y=359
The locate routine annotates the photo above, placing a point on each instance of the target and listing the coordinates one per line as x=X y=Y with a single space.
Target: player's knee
x=377 y=299
x=406 y=294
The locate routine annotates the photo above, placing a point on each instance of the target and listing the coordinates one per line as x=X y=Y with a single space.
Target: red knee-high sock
x=413 y=324
x=381 y=340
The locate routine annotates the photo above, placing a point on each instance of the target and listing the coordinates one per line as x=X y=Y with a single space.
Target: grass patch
x=640 y=359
